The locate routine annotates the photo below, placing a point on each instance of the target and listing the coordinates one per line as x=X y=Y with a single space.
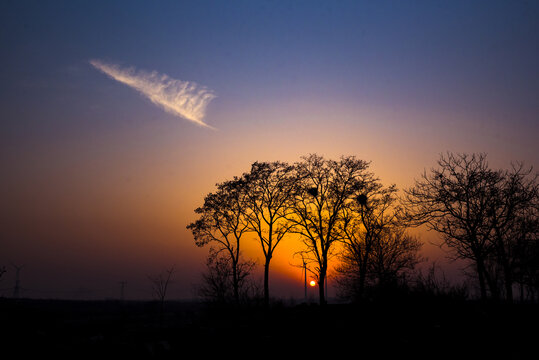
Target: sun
x=312 y=283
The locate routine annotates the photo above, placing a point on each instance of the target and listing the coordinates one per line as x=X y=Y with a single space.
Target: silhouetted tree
x=160 y=283
x=364 y=221
x=218 y=281
x=394 y=254
x=513 y=214
x=527 y=267
x=452 y=200
x=376 y=246
x=480 y=213
x=323 y=188
x=223 y=223
x=269 y=189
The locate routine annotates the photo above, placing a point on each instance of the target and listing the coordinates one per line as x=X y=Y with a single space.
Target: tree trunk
x=363 y=272
x=321 y=290
x=481 y=275
x=266 y=280
x=235 y=281
x=507 y=273
x=508 y=285
x=362 y=277
x=321 y=286
x=492 y=285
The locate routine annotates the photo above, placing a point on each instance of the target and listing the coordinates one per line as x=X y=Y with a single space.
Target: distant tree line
x=338 y=209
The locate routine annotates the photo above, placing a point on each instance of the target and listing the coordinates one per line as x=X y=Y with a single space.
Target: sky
x=118 y=117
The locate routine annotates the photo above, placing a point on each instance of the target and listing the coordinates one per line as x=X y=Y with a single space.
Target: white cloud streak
x=181 y=98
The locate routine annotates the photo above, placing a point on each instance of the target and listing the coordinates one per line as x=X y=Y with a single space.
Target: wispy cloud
x=182 y=98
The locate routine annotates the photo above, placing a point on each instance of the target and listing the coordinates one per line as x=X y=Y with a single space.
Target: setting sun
x=312 y=283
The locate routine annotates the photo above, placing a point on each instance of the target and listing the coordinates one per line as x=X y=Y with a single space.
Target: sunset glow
x=119 y=118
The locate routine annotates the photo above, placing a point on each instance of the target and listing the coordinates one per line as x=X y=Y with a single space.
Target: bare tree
x=376 y=246
x=322 y=190
x=160 y=283
x=526 y=252
x=268 y=188
x=364 y=222
x=513 y=214
x=394 y=253
x=527 y=264
x=478 y=211
x=217 y=280
x=223 y=223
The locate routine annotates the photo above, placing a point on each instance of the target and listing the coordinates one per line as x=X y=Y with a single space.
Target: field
x=126 y=330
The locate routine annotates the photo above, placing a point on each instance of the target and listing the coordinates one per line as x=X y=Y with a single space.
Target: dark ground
x=127 y=330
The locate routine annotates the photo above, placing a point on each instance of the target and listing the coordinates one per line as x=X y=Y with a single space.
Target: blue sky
x=477 y=56
x=394 y=82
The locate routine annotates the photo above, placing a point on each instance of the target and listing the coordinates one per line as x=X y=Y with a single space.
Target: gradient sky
x=99 y=182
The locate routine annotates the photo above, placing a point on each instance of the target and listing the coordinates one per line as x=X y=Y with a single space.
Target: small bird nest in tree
x=362 y=199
